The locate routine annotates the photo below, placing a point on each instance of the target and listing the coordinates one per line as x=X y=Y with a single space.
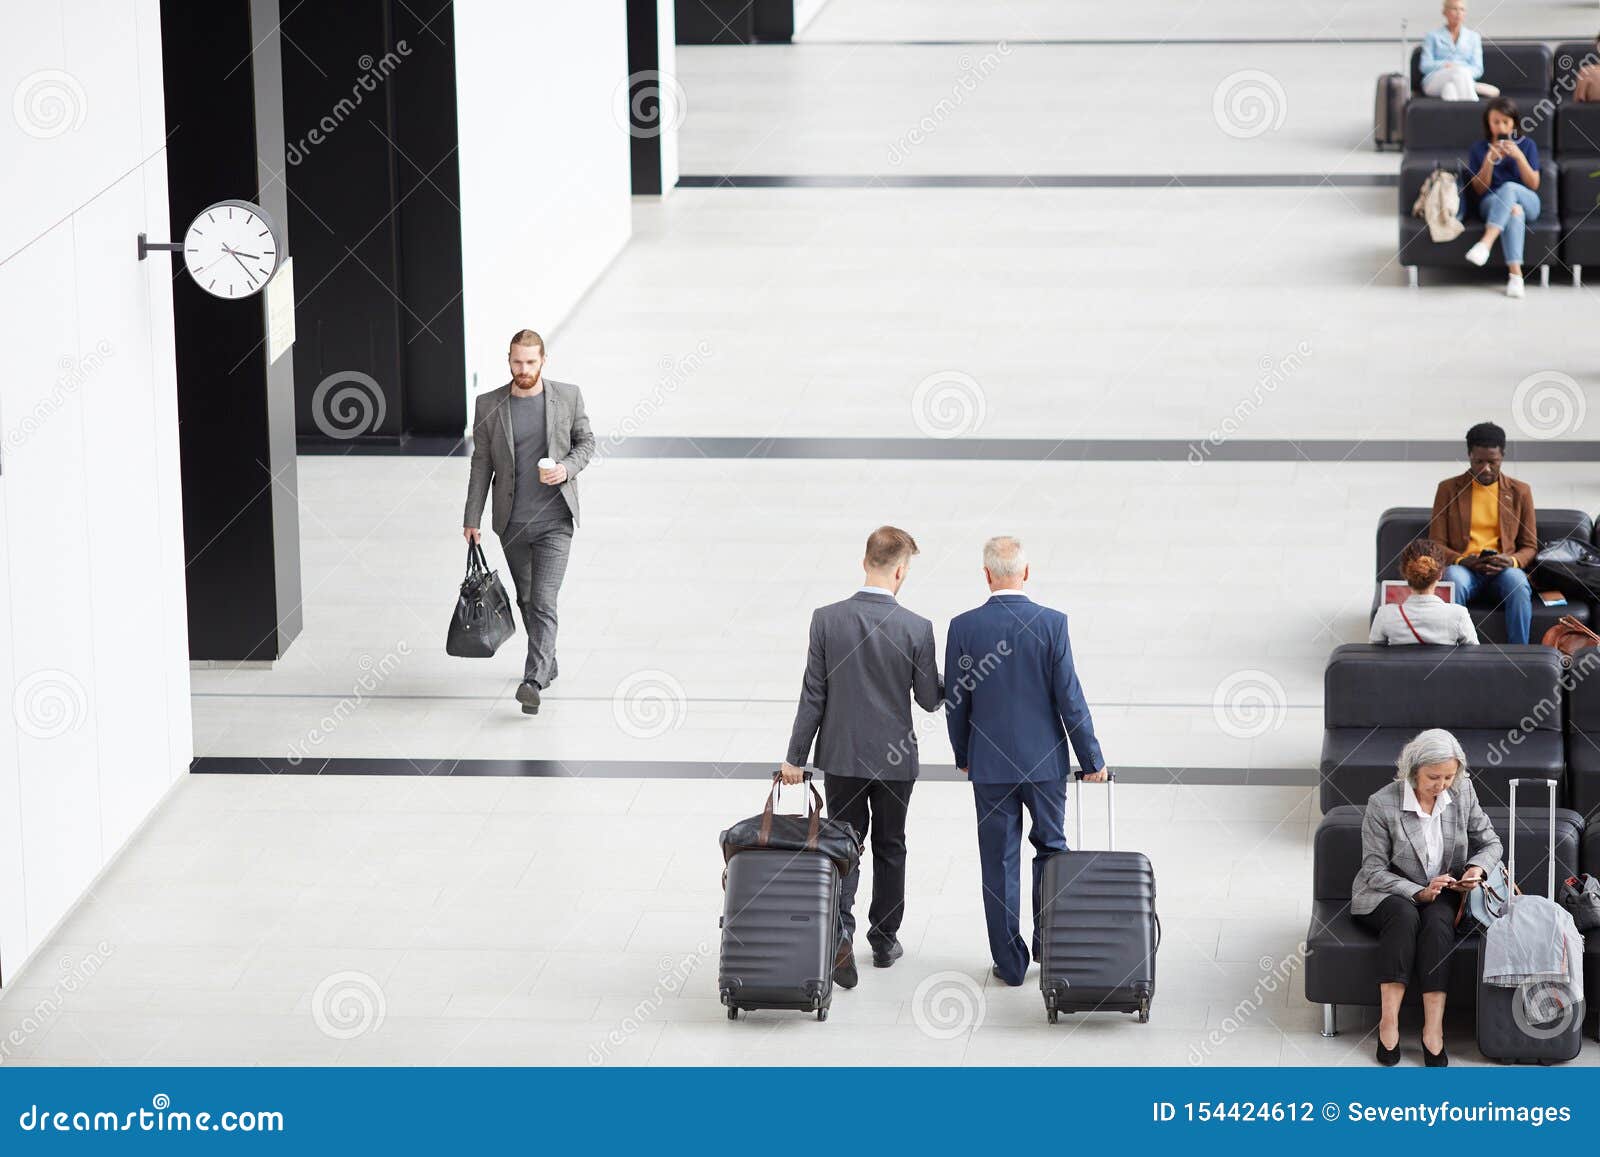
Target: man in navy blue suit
x=1012 y=701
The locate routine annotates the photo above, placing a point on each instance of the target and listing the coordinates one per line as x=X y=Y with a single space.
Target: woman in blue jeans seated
x=1505 y=177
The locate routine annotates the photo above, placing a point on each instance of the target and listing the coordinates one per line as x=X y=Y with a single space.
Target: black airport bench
x=1342 y=955
x=1418 y=249
x=1504 y=704
x=1401 y=525
x=1583 y=737
x=1520 y=71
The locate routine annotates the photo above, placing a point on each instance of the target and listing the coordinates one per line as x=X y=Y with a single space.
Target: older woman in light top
x=1424 y=841
x=1424 y=617
x=1452 y=57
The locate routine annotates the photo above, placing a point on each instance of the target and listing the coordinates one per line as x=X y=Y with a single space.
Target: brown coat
x=1452 y=517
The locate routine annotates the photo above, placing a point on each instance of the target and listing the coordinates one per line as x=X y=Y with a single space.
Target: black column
x=374 y=190
x=222 y=85
x=644 y=96
x=734 y=21
x=428 y=178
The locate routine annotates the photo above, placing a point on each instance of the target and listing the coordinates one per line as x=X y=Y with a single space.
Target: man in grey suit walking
x=869 y=657
x=530 y=438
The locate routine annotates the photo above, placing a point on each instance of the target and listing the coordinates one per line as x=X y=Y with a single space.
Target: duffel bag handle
x=813 y=809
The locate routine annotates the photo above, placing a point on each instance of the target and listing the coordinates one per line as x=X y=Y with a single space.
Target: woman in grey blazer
x=1424 y=841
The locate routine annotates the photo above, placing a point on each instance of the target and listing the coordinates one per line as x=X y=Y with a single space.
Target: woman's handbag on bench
x=1483 y=905
x=1569 y=636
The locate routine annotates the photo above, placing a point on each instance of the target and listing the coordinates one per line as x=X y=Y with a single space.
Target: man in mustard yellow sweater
x=1486 y=521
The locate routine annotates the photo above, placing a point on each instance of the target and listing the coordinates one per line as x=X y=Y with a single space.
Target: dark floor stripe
x=1137 y=42
x=1089 y=449
x=409 y=446
x=672 y=769
x=1196 y=451
x=1038 y=181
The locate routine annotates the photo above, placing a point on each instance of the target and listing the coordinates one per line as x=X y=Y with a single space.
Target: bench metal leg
x=1330 y=1020
x=1411 y=275
x=1544 y=277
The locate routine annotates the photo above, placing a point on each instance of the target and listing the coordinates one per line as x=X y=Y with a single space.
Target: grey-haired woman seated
x=1424 y=840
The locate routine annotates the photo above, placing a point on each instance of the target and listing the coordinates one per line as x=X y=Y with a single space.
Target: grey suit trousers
x=537 y=557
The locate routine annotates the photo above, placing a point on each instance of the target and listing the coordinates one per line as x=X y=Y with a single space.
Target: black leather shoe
x=528 y=696
x=844 y=966
x=885 y=959
x=1438 y=1060
x=1388 y=1057
x=1003 y=980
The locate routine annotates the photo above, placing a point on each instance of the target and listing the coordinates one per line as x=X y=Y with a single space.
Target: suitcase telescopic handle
x=1111 y=810
x=1511 y=854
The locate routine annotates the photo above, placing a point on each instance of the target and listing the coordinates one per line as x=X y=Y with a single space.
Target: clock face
x=231 y=249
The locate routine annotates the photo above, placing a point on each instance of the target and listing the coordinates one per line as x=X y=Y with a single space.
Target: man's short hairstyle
x=528 y=337
x=1487 y=435
x=1003 y=556
x=889 y=546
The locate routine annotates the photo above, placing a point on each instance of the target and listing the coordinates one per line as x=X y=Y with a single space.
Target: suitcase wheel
x=1144 y=1010
x=822 y=1014
x=733 y=1012
x=1053 y=1015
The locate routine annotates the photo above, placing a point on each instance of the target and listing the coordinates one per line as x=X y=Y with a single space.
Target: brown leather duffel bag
x=1569 y=636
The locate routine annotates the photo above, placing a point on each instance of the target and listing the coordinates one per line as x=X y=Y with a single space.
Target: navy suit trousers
x=1000 y=807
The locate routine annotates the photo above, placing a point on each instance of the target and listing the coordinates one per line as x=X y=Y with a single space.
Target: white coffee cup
x=547 y=463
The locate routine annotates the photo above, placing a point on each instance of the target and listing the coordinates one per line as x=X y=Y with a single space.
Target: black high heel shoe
x=1438 y=1060
x=1388 y=1057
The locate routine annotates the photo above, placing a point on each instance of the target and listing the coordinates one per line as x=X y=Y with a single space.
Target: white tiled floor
x=1112 y=313
x=1000 y=107
x=692 y=582
x=353 y=920
x=290 y=919
x=1178 y=20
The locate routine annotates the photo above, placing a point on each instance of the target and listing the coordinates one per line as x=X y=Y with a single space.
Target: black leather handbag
x=1570 y=565
x=788 y=833
x=482 y=618
x=1580 y=895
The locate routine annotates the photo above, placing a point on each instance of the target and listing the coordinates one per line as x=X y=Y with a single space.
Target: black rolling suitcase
x=1504 y=1032
x=1394 y=90
x=1098 y=930
x=780 y=909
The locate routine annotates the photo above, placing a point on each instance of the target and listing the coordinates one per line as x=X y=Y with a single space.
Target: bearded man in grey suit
x=530 y=438
x=869 y=657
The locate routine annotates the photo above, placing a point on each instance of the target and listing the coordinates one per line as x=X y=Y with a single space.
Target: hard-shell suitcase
x=1098 y=929
x=1504 y=1033
x=1394 y=90
x=780 y=928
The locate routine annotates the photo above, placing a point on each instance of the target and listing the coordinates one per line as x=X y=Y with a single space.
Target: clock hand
x=243 y=266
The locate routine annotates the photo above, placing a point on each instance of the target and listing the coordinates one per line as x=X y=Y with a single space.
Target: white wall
x=805 y=11
x=667 y=58
x=94 y=670
x=545 y=186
